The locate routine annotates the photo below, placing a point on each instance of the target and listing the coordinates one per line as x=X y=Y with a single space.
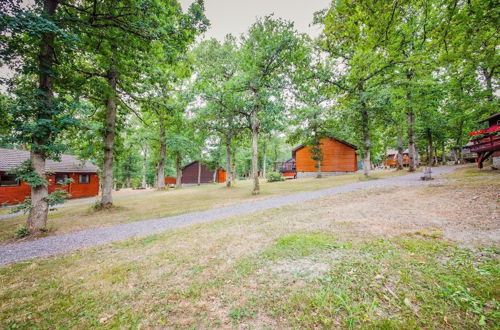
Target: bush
x=22 y=231
x=274 y=177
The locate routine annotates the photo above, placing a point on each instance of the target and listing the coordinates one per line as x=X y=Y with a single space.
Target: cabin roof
x=493 y=116
x=10 y=159
x=394 y=151
x=294 y=150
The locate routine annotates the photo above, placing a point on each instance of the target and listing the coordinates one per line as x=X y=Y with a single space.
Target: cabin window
x=84 y=178
x=8 y=180
x=62 y=179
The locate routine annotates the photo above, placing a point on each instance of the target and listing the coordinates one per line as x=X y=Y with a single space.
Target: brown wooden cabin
x=486 y=142
x=392 y=158
x=191 y=171
x=12 y=191
x=338 y=157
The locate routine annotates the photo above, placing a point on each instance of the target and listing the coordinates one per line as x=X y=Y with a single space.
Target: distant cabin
x=338 y=157
x=194 y=170
x=12 y=190
x=485 y=143
x=392 y=158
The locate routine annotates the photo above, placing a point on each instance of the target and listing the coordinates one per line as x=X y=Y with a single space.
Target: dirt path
x=63 y=243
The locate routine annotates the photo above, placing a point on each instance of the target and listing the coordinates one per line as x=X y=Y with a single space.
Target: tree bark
x=400 y=150
x=366 y=139
x=412 y=167
x=228 y=162
x=264 y=160
x=160 y=170
x=430 y=159
x=144 y=166
x=443 y=155
x=199 y=173
x=37 y=218
x=178 y=169
x=255 y=150
x=318 y=171
x=109 y=139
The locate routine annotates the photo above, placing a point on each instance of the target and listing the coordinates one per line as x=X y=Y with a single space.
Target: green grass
x=292 y=267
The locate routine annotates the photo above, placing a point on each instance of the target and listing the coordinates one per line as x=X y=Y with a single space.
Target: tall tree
x=268 y=53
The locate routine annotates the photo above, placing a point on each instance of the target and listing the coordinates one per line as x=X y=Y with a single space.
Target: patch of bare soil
x=467 y=213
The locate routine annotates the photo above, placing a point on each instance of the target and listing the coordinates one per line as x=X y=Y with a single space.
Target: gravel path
x=67 y=242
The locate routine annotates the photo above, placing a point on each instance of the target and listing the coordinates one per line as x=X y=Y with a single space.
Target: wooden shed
x=198 y=173
x=12 y=190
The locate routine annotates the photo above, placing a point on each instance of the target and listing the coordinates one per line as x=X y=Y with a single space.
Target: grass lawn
x=173 y=202
x=333 y=262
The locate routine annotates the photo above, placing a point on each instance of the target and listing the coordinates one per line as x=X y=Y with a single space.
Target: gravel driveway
x=87 y=238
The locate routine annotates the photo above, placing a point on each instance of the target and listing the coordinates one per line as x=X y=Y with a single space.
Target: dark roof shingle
x=10 y=159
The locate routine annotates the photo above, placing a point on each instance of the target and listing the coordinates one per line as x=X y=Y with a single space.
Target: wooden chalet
x=198 y=173
x=338 y=157
x=391 y=159
x=486 y=142
x=85 y=181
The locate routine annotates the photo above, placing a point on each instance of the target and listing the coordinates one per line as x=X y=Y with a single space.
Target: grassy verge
x=173 y=202
x=292 y=267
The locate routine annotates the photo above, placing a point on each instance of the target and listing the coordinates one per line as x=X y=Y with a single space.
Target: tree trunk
x=412 y=167
x=411 y=122
x=255 y=151
x=443 y=155
x=109 y=140
x=489 y=86
x=400 y=150
x=264 y=160
x=366 y=139
x=430 y=160
x=228 y=162
x=178 y=169
x=37 y=218
x=144 y=166
x=160 y=170
x=199 y=173
x=318 y=171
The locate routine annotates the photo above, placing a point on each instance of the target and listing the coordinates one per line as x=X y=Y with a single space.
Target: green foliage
x=21 y=231
x=275 y=177
x=25 y=172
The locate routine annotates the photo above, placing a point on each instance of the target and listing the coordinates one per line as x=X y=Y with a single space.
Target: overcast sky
x=236 y=16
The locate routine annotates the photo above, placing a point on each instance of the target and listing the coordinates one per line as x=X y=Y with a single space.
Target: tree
x=30 y=41
x=223 y=101
x=115 y=32
x=268 y=53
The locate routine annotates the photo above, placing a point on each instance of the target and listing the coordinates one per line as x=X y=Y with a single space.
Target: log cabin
x=391 y=159
x=339 y=157
x=198 y=173
x=85 y=181
x=486 y=142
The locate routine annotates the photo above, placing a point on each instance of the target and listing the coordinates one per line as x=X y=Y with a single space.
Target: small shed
x=197 y=173
x=85 y=181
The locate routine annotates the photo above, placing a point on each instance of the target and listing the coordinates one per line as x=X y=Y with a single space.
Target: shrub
x=274 y=177
x=22 y=231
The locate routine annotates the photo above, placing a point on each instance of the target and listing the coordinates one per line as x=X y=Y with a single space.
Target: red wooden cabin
x=198 y=173
x=486 y=142
x=338 y=157
x=392 y=158
x=12 y=191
